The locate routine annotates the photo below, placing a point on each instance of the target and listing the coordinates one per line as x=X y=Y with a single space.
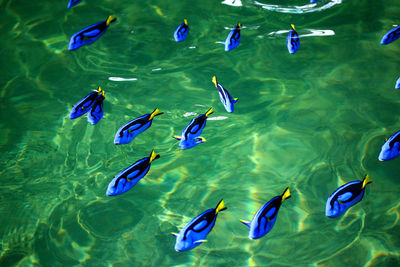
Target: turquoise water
x=311 y=121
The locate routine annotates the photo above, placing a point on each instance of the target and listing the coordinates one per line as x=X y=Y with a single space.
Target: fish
x=346 y=196
x=129 y=177
x=265 y=217
x=391 y=148
x=195 y=232
x=191 y=134
x=90 y=34
x=224 y=96
x=397 y=86
x=233 y=39
x=72 y=3
x=313 y=1
x=181 y=32
x=391 y=36
x=127 y=132
x=293 y=40
x=96 y=112
x=85 y=104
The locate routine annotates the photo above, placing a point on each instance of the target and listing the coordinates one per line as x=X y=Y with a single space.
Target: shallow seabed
x=311 y=121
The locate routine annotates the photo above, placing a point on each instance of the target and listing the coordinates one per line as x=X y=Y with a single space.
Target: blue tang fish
x=313 y=1
x=130 y=130
x=293 y=40
x=397 y=86
x=233 y=39
x=96 y=112
x=195 y=232
x=346 y=196
x=265 y=217
x=85 y=104
x=72 y=3
x=129 y=177
x=391 y=36
x=89 y=34
x=181 y=32
x=224 y=96
x=391 y=148
x=191 y=134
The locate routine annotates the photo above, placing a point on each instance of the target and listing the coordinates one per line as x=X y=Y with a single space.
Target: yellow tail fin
x=153 y=156
x=220 y=206
x=214 y=81
x=185 y=21
x=292 y=25
x=239 y=25
x=110 y=19
x=210 y=111
x=366 y=181
x=155 y=113
x=286 y=194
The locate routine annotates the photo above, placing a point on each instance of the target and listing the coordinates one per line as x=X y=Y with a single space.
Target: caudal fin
x=153 y=156
x=210 y=111
x=286 y=194
x=366 y=180
x=214 y=81
x=110 y=19
x=155 y=113
x=220 y=206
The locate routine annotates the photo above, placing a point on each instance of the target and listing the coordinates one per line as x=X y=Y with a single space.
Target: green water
x=311 y=121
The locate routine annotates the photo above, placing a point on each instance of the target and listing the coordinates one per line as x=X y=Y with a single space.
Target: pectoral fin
x=199 y=241
x=174 y=234
x=245 y=223
x=177 y=137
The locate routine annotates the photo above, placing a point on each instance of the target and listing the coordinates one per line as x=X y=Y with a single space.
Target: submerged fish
x=195 y=232
x=293 y=40
x=85 y=104
x=72 y=3
x=130 y=130
x=96 y=112
x=181 y=32
x=391 y=148
x=191 y=134
x=233 y=39
x=265 y=217
x=89 y=34
x=346 y=196
x=391 y=36
x=313 y=1
x=129 y=177
x=224 y=96
x=397 y=86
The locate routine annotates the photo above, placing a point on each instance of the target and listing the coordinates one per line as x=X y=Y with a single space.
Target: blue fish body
x=195 y=127
x=89 y=34
x=181 y=32
x=397 y=86
x=96 y=112
x=313 y=1
x=233 y=39
x=224 y=96
x=130 y=130
x=293 y=41
x=129 y=177
x=85 y=104
x=391 y=36
x=72 y=3
x=195 y=232
x=264 y=219
x=391 y=148
x=345 y=197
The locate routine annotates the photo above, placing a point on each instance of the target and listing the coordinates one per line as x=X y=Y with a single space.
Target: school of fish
x=195 y=231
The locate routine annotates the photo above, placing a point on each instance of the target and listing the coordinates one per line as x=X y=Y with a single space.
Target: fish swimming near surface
x=391 y=148
x=224 y=96
x=293 y=40
x=130 y=130
x=346 y=196
x=397 y=86
x=313 y=1
x=195 y=232
x=72 y=3
x=85 y=104
x=265 y=217
x=95 y=114
x=391 y=36
x=233 y=39
x=90 y=34
x=129 y=177
x=191 y=134
x=181 y=32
